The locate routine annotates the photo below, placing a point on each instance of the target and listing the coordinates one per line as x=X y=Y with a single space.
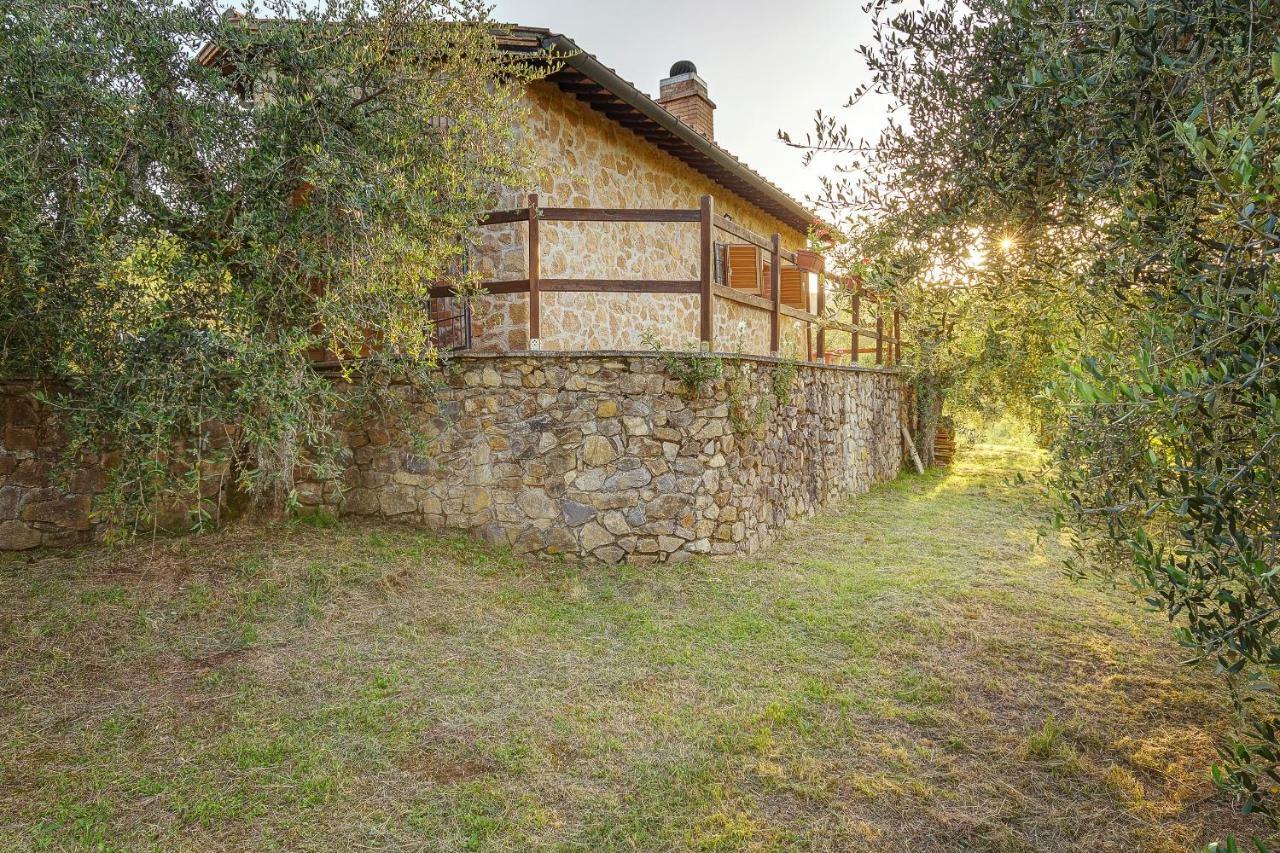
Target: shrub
x=179 y=241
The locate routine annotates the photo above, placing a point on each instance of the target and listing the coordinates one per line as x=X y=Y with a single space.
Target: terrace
x=778 y=291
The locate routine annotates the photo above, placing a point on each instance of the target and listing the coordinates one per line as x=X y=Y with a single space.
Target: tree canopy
x=180 y=239
x=1118 y=165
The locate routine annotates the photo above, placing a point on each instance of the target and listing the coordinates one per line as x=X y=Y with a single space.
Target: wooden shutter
x=743 y=262
x=794 y=292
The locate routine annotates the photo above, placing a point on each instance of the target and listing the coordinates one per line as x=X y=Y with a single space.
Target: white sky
x=768 y=65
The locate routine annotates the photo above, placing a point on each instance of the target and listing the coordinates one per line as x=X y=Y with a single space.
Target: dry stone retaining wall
x=47 y=500
x=38 y=504
x=606 y=455
x=603 y=455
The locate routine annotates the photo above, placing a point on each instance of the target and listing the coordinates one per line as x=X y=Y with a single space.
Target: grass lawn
x=908 y=672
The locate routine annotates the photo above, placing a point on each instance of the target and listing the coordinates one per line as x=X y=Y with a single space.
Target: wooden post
x=821 y=312
x=897 y=336
x=808 y=327
x=706 y=314
x=855 y=356
x=535 y=295
x=775 y=292
x=911 y=445
x=880 y=334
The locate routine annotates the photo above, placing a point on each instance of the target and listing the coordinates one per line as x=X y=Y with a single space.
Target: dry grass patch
x=910 y=670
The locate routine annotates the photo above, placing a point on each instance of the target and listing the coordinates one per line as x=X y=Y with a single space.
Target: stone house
x=605 y=144
x=558 y=433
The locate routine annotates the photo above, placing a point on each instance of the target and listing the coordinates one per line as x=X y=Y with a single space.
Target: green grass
x=910 y=671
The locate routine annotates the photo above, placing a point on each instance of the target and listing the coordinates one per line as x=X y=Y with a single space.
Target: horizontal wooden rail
x=592 y=214
x=582 y=285
x=742 y=297
x=837 y=326
x=619 y=285
x=613 y=214
x=761 y=304
x=502 y=217
x=799 y=314
x=746 y=235
x=518 y=285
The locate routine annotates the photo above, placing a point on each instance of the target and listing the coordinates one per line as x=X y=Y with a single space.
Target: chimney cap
x=684 y=66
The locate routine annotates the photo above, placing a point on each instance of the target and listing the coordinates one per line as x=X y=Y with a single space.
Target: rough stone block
x=593 y=535
x=535 y=504
x=18 y=536
x=70 y=512
x=398 y=500
x=633 y=479
x=575 y=513
x=10 y=499
x=598 y=450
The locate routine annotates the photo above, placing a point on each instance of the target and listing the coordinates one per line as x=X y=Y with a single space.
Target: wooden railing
x=887 y=349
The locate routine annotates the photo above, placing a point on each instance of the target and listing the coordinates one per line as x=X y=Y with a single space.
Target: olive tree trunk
x=928 y=399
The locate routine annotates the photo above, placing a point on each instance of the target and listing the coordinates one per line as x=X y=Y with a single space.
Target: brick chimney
x=684 y=94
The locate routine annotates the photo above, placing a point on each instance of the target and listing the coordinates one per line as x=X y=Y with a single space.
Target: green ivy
x=784 y=378
x=743 y=416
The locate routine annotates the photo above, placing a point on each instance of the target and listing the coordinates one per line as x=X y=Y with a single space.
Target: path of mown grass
x=909 y=672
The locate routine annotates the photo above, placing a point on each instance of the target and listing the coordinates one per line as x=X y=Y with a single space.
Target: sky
x=768 y=65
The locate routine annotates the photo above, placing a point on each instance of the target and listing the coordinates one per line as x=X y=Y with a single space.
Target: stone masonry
x=600 y=455
x=37 y=506
x=604 y=455
x=47 y=500
x=590 y=161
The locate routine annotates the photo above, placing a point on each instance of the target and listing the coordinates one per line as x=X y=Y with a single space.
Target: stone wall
x=602 y=455
x=590 y=161
x=48 y=500
x=744 y=329
x=605 y=455
x=40 y=505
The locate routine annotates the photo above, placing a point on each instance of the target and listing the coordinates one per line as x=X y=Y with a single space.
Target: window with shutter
x=745 y=264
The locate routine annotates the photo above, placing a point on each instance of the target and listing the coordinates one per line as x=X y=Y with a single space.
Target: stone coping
x=612 y=353
x=479 y=355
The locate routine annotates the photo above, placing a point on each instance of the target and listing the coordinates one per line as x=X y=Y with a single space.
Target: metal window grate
x=450 y=323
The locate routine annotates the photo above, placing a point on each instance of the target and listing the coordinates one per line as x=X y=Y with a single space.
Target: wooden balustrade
x=705 y=286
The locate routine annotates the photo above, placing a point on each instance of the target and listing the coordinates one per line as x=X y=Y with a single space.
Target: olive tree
x=1125 y=155
x=196 y=206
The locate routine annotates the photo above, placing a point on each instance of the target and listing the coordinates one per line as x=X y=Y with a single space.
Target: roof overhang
x=581 y=75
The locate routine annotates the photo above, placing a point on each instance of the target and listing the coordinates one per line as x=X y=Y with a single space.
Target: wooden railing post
x=897 y=336
x=775 y=291
x=706 y=307
x=880 y=333
x=535 y=295
x=855 y=355
x=821 y=312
